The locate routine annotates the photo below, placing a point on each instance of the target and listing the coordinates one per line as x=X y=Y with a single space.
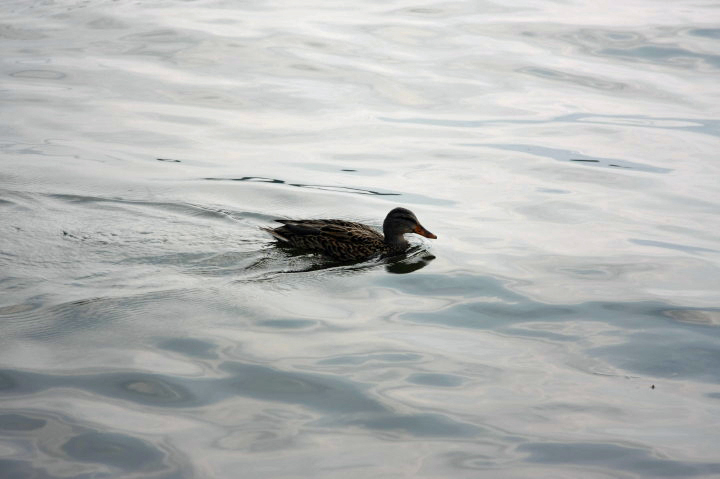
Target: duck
x=349 y=241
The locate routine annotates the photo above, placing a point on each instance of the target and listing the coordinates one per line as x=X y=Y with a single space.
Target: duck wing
x=337 y=238
x=337 y=230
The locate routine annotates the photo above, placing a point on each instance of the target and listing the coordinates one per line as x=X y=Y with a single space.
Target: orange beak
x=423 y=232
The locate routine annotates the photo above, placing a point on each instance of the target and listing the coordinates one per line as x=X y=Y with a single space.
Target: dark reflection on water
x=435 y=379
x=17 y=469
x=415 y=425
x=667 y=353
x=588 y=81
x=569 y=155
x=659 y=341
x=615 y=457
x=705 y=32
x=74 y=316
x=39 y=74
x=189 y=346
x=342 y=402
x=414 y=259
x=287 y=323
x=141 y=388
x=117 y=450
x=680 y=247
x=364 y=358
x=345 y=189
x=61 y=443
x=315 y=391
x=17 y=422
x=662 y=54
x=335 y=397
x=409 y=264
x=638 y=47
x=707 y=126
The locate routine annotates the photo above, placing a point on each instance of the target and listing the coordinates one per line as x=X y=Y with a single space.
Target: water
x=564 y=324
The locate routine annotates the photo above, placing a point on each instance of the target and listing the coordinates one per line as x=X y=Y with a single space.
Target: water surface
x=564 y=323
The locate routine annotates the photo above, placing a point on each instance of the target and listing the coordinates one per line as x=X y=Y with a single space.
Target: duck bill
x=423 y=232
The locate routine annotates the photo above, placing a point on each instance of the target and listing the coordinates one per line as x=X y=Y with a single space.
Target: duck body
x=347 y=240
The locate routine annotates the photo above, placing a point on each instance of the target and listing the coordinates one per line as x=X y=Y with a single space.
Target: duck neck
x=396 y=241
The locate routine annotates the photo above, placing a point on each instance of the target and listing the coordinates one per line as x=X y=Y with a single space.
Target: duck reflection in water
x=408 y=263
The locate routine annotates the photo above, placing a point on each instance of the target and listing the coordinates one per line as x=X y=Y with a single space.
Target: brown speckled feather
x=338 y=239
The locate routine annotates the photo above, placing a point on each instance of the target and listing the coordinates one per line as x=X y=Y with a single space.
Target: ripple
x=131 y=205
x=15 y=382
x=673 y=246
x=39 y=74
x=671 y=56
x=106 y=23
x=698 y=316
x=698 y=125
x=65 y=319
x=615 y=457
x=580 y=80
x=436 y=380
x=639 y=47
x=342 y=189
x=140 y=388
x=117 y=450
x=321 y=392
x=415 y=425
x=374 y=358
x=154 y=391
x=19 y=422
x=705 y=32
x=189 y=346
x=671 y=353
x=287 y=323
x=17 y=469
x=54 y=441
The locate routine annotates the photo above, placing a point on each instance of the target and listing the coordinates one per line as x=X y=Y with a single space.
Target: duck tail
x=275 y=234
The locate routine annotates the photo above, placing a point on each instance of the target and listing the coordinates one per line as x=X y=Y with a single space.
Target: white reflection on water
x=563 y=324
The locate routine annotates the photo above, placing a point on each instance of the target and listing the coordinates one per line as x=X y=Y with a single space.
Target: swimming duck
x=349 y=241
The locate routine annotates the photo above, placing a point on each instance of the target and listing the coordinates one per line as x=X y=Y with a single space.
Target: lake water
x=565 y=323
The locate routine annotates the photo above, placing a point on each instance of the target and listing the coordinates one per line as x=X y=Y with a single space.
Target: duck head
x=400 y=221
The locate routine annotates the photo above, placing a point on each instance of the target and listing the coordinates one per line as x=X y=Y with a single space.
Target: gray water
x=565 y=323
